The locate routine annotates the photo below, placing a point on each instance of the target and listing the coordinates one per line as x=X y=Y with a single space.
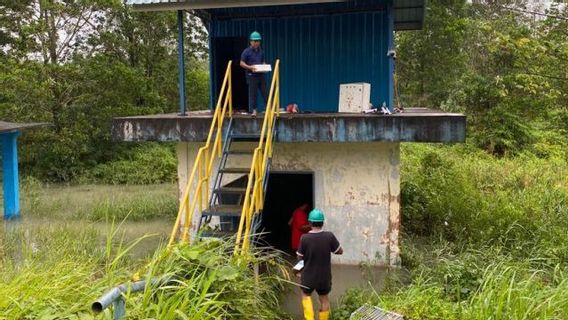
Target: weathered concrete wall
x=414 y=125
x=357 y=185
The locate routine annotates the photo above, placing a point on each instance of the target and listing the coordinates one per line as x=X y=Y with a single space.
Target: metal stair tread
x=230 y=190
x=224 y=211
x=245 y=136
x=235 y=170
x=245 y=152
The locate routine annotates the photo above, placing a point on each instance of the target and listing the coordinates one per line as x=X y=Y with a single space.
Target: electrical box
x=354 y=97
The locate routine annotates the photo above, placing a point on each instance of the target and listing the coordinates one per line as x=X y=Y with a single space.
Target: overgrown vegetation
x=483 y=238
x=56 y=272
x=78 y=64
x=485 y=224
x=500 y=62
x=98 y=203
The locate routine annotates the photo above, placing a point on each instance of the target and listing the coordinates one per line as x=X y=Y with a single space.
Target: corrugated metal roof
x=409 y=14
x=317 y=54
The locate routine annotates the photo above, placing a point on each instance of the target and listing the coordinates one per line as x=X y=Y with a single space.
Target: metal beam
x=10 y=174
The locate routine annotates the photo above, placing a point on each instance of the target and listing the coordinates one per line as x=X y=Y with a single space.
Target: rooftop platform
x=413 y=125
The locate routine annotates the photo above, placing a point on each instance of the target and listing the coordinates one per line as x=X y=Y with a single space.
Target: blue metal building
x=321 y=44
x=9 y=133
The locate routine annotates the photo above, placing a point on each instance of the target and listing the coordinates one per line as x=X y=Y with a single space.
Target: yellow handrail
x=254 y=195
x=203 y=165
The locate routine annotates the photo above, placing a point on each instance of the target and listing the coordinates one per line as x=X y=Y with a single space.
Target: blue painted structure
x=320 y=47
x=10 y=174
x=181 y=63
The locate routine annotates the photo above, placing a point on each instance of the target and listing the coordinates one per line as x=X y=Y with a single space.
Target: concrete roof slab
x=414 y=125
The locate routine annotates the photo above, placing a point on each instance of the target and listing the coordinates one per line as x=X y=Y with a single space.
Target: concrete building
x=347 y=164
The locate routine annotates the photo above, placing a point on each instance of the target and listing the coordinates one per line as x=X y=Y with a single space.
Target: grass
x=72 y=245
x=99 y=202
x=482 y=238
x=57 y=271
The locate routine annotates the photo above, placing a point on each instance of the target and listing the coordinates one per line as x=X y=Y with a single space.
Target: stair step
x=223 y=211
x=245 y=136
x=235 y=170
x=230 y=190
x=240 y=152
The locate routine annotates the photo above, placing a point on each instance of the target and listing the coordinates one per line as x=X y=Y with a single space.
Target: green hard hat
x=316 y=215
x=255 y=36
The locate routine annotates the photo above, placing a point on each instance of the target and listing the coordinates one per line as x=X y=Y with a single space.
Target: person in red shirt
x=299 y=224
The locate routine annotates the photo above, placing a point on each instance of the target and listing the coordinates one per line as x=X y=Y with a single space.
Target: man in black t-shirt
x=315 y=249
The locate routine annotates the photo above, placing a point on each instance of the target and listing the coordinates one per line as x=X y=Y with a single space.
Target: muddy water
x=344 y=277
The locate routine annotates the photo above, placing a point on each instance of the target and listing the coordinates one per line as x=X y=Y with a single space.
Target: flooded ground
x=155 y=232
x=344 y=277
x=72 y=207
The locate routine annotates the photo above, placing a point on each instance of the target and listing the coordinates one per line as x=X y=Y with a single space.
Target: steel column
x=181 y=64
x=10 y=174
x=391 y=55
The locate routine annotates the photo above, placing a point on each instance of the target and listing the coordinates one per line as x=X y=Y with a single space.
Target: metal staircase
x=237 y=192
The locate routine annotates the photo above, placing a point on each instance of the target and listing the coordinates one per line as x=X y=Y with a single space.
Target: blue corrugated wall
x=318 y=53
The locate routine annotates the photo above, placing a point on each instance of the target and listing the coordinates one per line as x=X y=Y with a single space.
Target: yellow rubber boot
x=324 y=315
x=308 y=308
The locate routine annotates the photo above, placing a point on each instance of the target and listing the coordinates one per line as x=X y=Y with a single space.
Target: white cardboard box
x=262 y=68
x=354 y=97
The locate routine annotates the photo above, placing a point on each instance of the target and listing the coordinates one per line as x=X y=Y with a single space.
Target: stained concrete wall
x=357 y=185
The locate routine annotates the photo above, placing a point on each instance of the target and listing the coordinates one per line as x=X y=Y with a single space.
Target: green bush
x=150 y=163
x=470 y=197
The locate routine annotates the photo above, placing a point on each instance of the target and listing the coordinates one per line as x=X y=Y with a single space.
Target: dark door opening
x=286 y=191
x=225 y=49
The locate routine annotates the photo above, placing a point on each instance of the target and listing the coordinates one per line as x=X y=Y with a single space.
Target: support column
x=181 y=64
x=10 y=174
x=391 y=54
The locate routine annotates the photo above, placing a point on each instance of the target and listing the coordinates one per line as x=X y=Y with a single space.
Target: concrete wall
x=357 y=185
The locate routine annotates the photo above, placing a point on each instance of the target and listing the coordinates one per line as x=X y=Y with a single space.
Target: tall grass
x=483 y=238
x=50 y=272
x=204 y=281
x=56 y=272
x=98 y=202
x=506 y=292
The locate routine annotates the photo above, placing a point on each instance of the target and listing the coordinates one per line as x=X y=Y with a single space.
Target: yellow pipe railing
x=203 y=165
x=254 y=195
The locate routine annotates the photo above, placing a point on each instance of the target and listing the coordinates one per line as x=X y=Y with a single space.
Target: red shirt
x=299 y=219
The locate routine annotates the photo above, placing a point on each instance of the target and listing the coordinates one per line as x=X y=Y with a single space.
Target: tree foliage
x=501 y=63
x=77 y=64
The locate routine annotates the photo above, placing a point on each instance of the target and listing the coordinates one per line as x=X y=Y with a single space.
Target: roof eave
x=207 y=4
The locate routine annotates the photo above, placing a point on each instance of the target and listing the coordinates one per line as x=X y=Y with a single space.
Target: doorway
x=285 y=192
x=225 y=49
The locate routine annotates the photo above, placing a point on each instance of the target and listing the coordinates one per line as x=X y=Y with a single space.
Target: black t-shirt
x=316 y=249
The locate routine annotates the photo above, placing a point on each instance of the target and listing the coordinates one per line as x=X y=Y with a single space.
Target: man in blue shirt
x=250 y=57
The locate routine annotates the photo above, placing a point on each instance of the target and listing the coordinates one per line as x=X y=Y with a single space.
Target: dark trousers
x=256 y=82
